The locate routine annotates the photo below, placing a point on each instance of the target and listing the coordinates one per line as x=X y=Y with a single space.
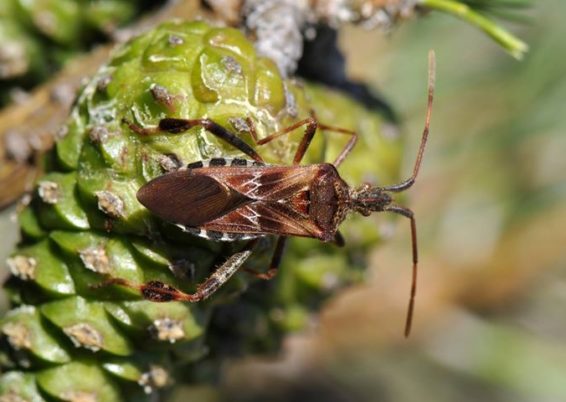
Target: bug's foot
x=110 y=282
x=268 y=275
x=136 y=128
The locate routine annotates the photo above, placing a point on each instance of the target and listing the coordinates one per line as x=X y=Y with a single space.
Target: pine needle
x=471 y=12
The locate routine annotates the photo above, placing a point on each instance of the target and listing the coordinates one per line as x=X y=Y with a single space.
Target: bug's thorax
x=367 y=199
x=329 y=200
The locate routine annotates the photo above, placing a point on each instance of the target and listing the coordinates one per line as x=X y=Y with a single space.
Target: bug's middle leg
x=275 y=261
x=349 y=145
x=157 y=291
x=311 y=125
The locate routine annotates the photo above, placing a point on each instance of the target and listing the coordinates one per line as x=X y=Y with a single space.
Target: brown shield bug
x=243 y=199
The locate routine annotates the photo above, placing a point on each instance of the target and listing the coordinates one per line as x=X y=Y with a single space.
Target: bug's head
x=367 y=199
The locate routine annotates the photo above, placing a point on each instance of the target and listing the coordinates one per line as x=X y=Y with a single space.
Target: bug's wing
x=266 y=218
x=272 y=210
x=189 y=200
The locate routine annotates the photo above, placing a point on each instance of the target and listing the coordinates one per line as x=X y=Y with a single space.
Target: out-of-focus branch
x=516 y=47
x=29 y=127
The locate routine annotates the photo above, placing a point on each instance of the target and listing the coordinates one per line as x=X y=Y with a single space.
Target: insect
x=244 y=199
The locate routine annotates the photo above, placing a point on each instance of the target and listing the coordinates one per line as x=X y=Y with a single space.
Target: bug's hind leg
x=275 y=261
x=157 y=291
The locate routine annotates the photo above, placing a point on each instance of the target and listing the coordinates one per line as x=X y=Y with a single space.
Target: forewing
x=189 y=199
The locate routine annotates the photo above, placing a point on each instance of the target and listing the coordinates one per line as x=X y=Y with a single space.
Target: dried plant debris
x=166 y=329
x=280 y=27
x=23 y=267
x=110 y=203
x=84 y=335
x=49 y=192
x=154 y=378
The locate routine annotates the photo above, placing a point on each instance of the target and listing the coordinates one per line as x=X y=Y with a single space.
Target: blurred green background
x=491 y=215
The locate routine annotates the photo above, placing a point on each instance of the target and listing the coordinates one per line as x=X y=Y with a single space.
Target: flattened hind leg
x=157 y=291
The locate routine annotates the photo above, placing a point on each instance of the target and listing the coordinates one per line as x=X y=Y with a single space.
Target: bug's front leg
x=311 y=124
x=175 y=126
x=157 y=291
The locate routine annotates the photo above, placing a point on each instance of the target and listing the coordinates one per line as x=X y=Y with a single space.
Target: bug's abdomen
x=215 y=235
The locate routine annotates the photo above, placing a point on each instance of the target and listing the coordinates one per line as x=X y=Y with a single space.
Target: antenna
x=406 y=212
x=431 y=82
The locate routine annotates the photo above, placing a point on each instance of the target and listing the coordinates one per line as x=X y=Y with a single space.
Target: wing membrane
x=187 y=199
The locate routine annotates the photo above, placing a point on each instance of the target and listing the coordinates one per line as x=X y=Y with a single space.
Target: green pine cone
x=70 y=337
